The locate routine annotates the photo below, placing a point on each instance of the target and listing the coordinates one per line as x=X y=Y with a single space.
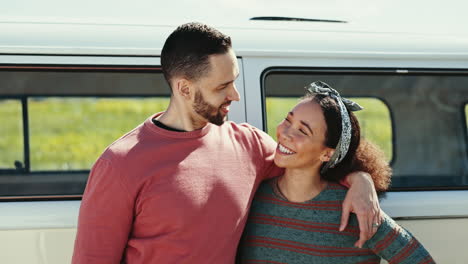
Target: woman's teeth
x=284 y=150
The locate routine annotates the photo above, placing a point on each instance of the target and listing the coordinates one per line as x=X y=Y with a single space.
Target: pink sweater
x=157 y=196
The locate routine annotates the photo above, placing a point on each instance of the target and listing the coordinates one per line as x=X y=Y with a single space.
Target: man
x=177 y=188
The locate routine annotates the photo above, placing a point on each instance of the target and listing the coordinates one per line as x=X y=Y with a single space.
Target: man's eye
x=303 y=132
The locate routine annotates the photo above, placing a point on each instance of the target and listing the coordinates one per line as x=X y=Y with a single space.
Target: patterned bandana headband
x=342 y=147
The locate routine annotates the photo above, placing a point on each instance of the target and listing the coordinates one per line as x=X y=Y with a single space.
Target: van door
x=417 y=116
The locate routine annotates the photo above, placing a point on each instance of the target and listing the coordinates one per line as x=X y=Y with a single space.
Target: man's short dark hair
x=186 y=50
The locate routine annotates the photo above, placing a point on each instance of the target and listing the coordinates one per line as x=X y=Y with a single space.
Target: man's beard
x=206 y=110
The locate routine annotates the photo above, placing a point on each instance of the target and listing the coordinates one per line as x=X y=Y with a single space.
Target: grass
x=11 y=139
x=374 y=119
x=70 y=133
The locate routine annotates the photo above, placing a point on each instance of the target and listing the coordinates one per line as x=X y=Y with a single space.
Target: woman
x=294 y=218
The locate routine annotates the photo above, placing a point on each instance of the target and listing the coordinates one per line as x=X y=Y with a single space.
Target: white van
x=70 y=84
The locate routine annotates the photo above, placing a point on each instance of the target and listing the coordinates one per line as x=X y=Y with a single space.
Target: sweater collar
x=175 y=134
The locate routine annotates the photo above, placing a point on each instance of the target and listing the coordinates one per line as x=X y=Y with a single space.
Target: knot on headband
x=322 y=88
x=344 y=104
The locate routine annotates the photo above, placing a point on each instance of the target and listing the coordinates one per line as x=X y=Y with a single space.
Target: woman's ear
x=327 y=154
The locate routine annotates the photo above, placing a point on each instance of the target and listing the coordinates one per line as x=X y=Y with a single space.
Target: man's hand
x=361 y=200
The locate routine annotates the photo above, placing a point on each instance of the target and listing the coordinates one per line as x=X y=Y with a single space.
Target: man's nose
x=234 y=94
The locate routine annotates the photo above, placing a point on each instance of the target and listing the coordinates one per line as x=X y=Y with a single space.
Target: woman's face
x=301 y=137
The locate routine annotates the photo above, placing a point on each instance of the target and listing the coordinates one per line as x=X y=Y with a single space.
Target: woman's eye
x=303 y=132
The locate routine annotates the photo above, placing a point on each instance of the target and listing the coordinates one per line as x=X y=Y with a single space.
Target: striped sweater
x=279 y=231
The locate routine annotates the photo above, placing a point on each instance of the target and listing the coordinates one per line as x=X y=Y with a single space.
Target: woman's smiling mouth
x=285 y=150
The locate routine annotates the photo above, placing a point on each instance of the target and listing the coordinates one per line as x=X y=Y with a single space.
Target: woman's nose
x=284 y=133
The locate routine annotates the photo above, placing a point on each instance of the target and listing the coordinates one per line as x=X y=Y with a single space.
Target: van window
x=70 y=114
x=11 y=134
x=375 y=121
x=70 y=133
x=411 y=114
x=466 y=120
x=466 y=115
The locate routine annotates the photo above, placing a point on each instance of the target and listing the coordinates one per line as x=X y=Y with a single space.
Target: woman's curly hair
x=362 y=155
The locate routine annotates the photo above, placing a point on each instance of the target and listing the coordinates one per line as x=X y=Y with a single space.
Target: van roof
x=140 y=27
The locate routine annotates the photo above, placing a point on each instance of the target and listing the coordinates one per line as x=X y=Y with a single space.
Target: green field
x=466 y=116
x=70 y=133
x=11 y=139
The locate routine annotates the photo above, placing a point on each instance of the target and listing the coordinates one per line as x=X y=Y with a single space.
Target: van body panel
x=34 y=231
x=47 y=235
x=37 y=246
x=39 y=215
x=147 y=40
x=77 y=60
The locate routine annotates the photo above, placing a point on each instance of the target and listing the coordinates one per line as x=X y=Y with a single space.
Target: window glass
x=73 y=113
x=376 y=123
x=11 y=135
x=466 y=133
x=412 y=115
x=466 y=115
x=374 y=120
x=70 y=133
x=83 y=81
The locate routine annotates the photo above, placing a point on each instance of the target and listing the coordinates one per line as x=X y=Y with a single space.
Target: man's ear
x=327 y=154
x=183 y=88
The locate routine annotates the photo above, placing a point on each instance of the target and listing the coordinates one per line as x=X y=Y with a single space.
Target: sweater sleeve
x=396 y=245
x=105 y=218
